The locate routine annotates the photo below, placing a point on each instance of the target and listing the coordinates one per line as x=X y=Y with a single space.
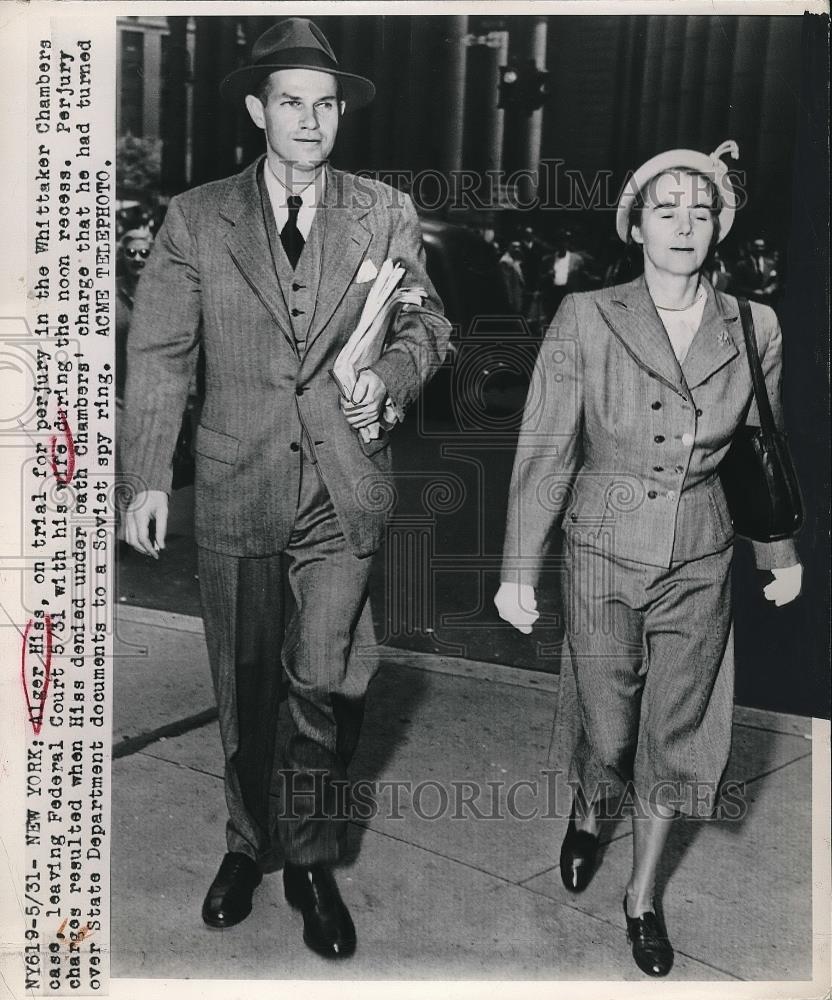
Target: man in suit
x=757 y=273
x=565 y=271
x=269 y=271
x=134 y=249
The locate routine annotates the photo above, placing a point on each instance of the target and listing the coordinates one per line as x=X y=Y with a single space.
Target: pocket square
x=367 y=272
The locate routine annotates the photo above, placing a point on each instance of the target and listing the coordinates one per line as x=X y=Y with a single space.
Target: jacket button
x=652 y=494
x=297 y=312
x=294 y=446
x=658 y=468
x=299 y=390
x=659 y=438
x=680 y=468
x=656 y=406
x=698 y=412
x=296 y=286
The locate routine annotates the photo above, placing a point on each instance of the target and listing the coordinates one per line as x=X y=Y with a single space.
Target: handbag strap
x=758 y=381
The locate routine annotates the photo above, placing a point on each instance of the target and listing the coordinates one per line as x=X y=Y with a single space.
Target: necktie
x=290 y=236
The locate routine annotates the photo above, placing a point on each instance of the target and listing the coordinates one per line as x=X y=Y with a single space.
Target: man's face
x=677 y=223
x=300 y=117
x=563 y=240
x=136 y=252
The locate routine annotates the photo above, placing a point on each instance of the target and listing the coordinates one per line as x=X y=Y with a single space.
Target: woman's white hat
x=711 y=166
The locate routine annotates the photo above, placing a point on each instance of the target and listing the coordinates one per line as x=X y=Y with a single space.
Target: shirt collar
x=312 y=194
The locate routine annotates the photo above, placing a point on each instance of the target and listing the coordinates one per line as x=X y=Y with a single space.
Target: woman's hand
x=516 y=604
x=785 y=586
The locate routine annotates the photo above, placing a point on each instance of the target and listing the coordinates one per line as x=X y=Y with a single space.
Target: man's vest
x=299 y=287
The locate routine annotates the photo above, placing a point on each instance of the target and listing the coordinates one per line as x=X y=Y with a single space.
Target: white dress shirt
x=561 y=268
x=312 y=195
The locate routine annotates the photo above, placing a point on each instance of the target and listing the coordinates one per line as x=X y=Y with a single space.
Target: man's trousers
x=651 y=653
x=249 y=639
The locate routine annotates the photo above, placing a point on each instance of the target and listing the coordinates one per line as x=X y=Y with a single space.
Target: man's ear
x=635 y=232
x=255 y=110
x=343 y=106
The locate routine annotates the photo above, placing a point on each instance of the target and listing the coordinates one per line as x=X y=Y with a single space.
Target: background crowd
x=539 y=268
x=538 y=265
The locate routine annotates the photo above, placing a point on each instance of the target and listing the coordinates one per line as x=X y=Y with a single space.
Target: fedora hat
x=712 y=167
x=295 y=43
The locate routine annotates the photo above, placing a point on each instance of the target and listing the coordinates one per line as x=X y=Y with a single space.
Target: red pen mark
x=75 y=937
x=64 y=480
x=36 y=710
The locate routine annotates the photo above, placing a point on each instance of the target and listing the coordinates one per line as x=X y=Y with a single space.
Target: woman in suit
x=637 y=392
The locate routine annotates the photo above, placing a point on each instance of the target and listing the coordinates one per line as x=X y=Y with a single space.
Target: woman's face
x=677 y=223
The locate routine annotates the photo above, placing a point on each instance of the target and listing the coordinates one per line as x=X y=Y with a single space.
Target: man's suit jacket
x=619 y=441
x=755 y=274
x=211 y=278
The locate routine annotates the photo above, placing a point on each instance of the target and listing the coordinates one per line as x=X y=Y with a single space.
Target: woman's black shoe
x=229 y=898
x=578 y=854
x=652 y=950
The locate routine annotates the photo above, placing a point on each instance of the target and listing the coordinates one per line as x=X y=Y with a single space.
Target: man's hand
x=516 y=604
x=785 y=586
x=147 y=506
x=368 y=398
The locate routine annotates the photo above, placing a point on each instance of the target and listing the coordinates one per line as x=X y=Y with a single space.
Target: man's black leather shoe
x=652 y=950
x=327 y=926
x=578 y=854
x=229 y=898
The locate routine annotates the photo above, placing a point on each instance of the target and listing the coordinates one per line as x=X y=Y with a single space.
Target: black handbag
x=757 y=474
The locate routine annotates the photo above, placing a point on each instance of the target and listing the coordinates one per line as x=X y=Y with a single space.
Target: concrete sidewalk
x=443 y=898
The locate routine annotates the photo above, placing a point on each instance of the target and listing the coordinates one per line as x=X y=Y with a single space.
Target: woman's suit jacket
x=618 y=438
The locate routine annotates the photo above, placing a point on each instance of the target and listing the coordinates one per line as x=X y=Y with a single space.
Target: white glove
x=785 y=586
x=516 y=604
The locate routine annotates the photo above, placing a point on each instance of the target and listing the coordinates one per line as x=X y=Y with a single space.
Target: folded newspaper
x=367 y=341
